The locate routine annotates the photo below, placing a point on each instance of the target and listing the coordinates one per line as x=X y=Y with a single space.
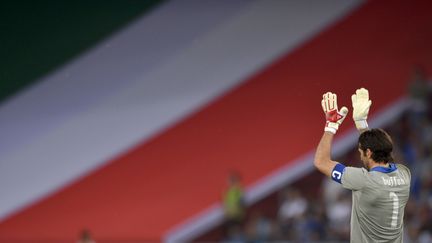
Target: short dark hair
x=379 y=143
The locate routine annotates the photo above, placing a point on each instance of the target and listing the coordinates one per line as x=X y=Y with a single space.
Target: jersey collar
x=392 y=167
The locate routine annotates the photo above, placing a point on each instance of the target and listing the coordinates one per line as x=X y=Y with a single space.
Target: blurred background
x=197 y=120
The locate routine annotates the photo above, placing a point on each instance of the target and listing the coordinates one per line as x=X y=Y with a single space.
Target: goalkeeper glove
x=361 y=105
x=334 y=117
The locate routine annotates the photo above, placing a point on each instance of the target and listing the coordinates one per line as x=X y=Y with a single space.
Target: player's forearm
x=322 y=159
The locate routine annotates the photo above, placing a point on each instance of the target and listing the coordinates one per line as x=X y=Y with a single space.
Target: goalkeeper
x=380 y=190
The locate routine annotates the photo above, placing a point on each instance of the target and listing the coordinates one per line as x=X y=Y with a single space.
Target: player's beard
x=366 y=164
x=364 y=160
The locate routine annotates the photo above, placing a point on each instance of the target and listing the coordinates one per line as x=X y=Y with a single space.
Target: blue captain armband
x=337 y=173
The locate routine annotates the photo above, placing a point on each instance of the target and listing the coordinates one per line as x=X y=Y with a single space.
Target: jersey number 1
x=395 y=209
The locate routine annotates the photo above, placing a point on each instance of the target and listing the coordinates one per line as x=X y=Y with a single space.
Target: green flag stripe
x=39 y=36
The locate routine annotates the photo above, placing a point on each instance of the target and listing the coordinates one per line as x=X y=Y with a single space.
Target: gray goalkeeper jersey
x=379 y=198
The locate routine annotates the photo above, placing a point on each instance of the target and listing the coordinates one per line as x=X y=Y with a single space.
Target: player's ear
x=368 y=153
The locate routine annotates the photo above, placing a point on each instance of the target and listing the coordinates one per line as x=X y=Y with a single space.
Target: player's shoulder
x=359 y=171
x=402 y=167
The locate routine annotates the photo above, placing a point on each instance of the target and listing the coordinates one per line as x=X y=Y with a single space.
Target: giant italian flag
x=134 y=138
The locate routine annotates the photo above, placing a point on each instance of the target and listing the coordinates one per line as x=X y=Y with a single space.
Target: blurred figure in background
x=339 y=214
x=316 y=225
x=261 y=228
x=85 y=237
x=291 y=212
x=233 y=203
x=235 y=234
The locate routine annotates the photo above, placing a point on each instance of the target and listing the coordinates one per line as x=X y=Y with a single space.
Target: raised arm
x=334 y=118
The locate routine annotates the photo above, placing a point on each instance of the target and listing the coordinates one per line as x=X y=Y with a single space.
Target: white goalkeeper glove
x=361 y=105
x=334 y=117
